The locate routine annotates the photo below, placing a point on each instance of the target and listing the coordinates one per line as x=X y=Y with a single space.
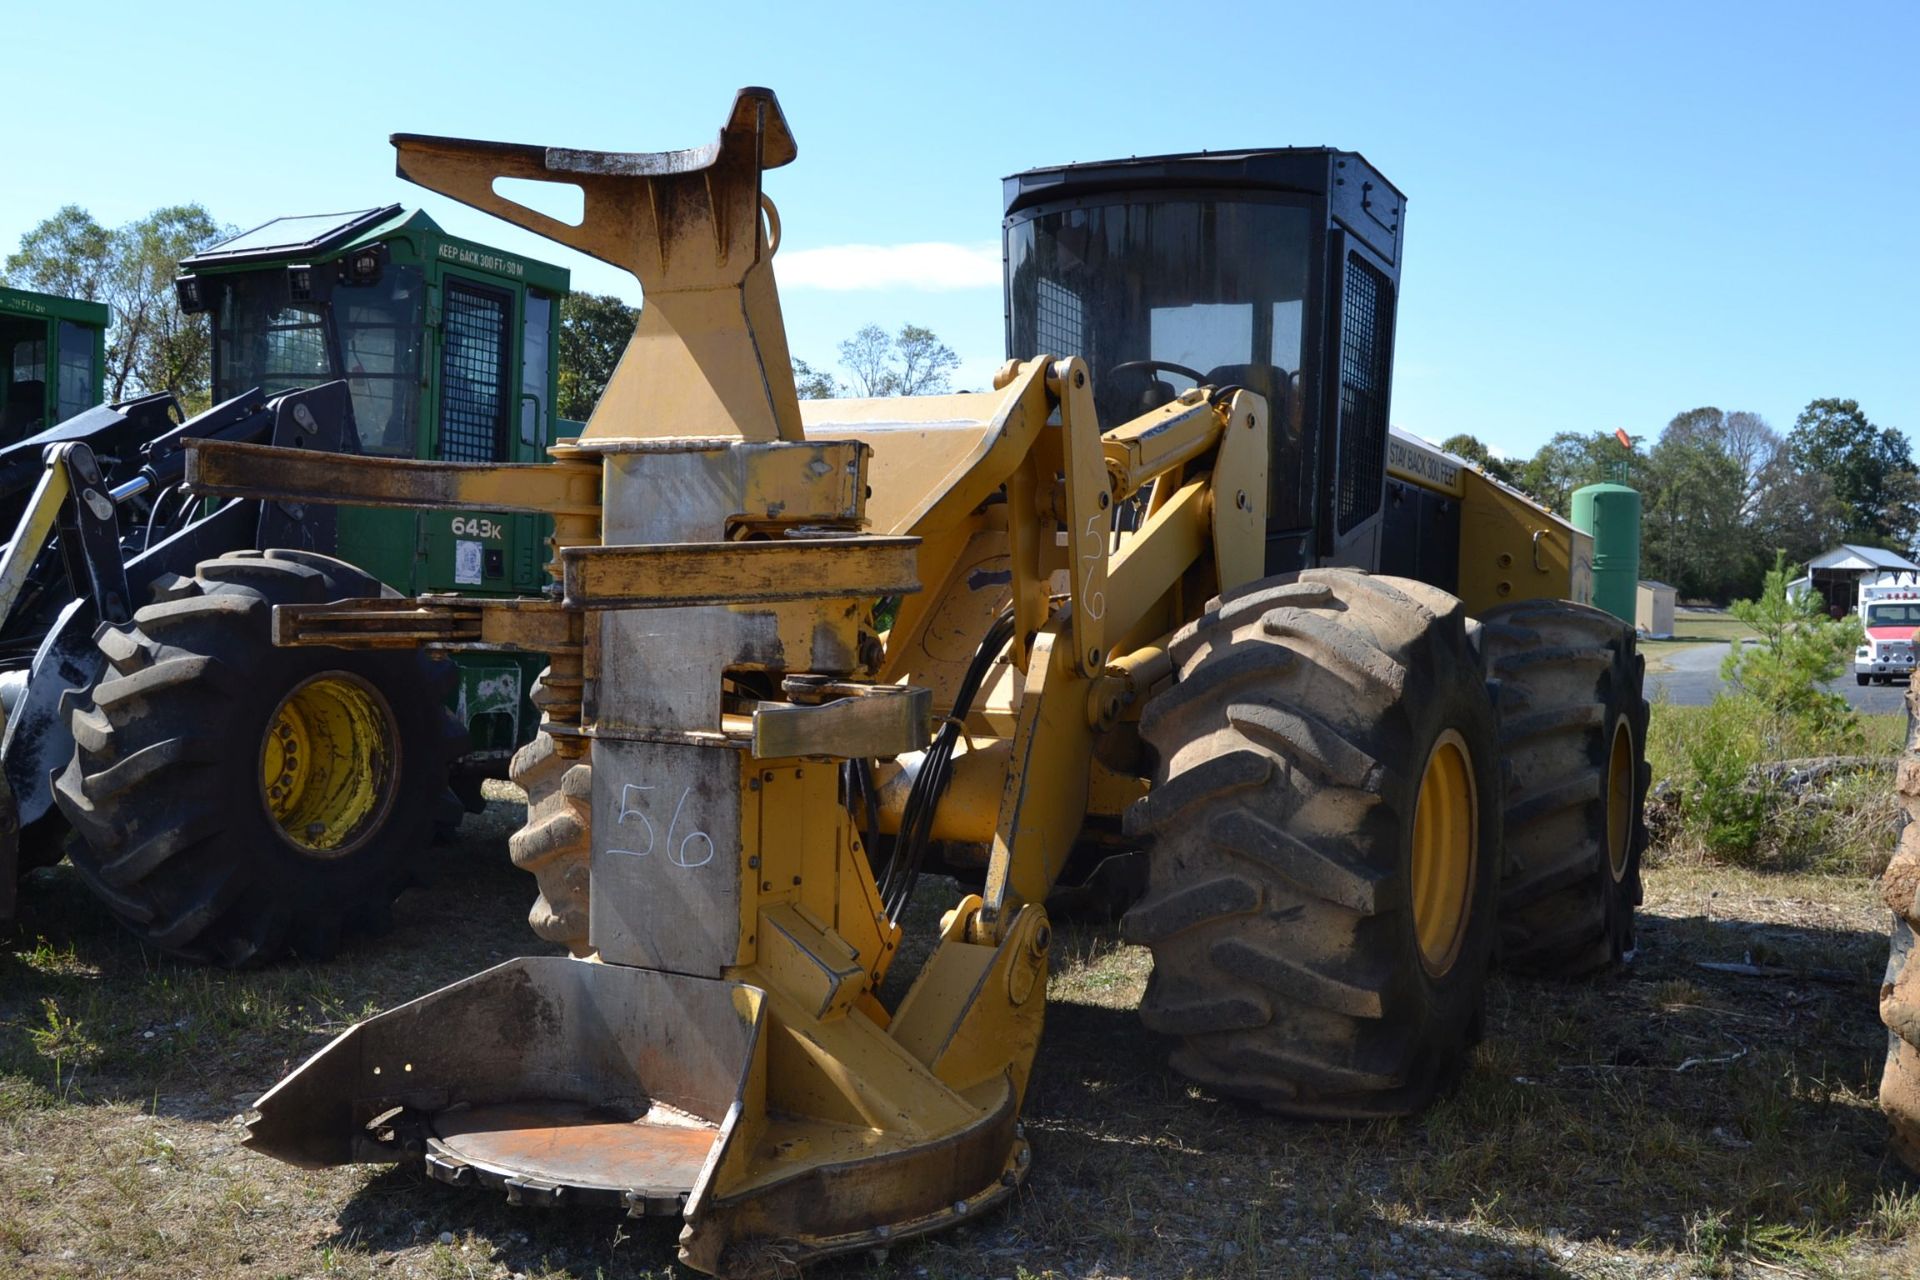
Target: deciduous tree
x=154 y=346
x=868 y=355
x=1864 y=462
x=1796 y=513
x=594 y=329
x=1694 y=531
x=1469 y=447
x=68 y=254
x=1745 y=437
x=1567 y=462
x=812 y=383
x=151 y=346
x=926 y=364
x=913 y=362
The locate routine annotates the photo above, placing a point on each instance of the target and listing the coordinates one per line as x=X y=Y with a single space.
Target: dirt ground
x=1668 y=1120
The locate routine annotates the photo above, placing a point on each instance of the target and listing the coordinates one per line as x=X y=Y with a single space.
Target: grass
x=1707 y=626
x=1843 y=824
x=1693 y=628
x=1663 y=1121
x=1673 y=726
x=1665 y=1115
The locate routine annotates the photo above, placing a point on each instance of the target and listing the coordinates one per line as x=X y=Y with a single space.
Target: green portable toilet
x=1610 y=515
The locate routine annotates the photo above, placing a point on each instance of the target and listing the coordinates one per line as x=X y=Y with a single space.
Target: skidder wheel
x=556 y=843
x=1573 y=729
x=236 y=800
x=1324 y=842
x=42 y=844
x=9 y=848
x=329 y=762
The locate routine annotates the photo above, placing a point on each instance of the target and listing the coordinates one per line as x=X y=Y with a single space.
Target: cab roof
x=322 y=237
x=1283 y=168
x=310 y=235
x=25 y=302
x=1354 y=193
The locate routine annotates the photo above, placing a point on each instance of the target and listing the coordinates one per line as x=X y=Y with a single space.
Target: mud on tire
x=165 y=787
x=1573 y=731
x=1280 y=908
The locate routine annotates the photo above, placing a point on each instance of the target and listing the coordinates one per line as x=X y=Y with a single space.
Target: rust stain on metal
x=581 y=1146
x=728 y=573
x=223 y=468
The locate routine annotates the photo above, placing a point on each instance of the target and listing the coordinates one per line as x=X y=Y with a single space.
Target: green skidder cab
x=235 y=800
x=53 y=356
x=450 y=351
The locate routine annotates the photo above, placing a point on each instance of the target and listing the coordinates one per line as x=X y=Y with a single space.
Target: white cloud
x=931 y=267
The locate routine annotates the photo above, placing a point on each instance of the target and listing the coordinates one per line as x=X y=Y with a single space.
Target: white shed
x=1836 y=574
x=1653 y=609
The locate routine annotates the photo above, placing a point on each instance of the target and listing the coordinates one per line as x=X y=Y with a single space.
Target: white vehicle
x=1890 y=612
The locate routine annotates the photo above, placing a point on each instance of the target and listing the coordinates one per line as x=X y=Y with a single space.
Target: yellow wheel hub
x=1620 y=771
x=327 y=764
x=1446 y=832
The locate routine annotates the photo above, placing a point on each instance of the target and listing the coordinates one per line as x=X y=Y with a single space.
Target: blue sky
x=1616 y=212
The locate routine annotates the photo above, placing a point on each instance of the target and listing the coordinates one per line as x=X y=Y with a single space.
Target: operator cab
x=304 y=300
x=52 y=360
x=449 y=351
x=1273 y=270
x=286 y=318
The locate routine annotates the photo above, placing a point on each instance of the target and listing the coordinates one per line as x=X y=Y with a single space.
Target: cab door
x=24 y=389
x=1360 y=324
x=471 y=550
x=528 y=557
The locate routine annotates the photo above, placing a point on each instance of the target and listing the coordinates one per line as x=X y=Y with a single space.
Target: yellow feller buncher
x=801 y=653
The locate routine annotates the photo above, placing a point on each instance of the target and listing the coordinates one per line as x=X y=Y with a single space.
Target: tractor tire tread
x=1566 y=675
x=161 y=787
x=1276 y=909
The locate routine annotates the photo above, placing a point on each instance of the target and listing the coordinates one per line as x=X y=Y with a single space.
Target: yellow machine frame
x=839 y=1122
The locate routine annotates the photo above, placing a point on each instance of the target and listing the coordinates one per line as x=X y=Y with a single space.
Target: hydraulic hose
x=936 y=770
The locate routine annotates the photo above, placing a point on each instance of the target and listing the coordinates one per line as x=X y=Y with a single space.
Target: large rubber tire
x=1900 y=991
x=556 y=843
x=1573 y=729
x=1280 y=906
x=165 y=786
x=42 y=844
x=10 y=871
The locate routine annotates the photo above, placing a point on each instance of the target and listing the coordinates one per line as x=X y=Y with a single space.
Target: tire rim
x=1446 y=831
x=1620 y=801
x=328 y=764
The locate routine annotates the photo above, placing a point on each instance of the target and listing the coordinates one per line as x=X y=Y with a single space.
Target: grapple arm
x=709 y=357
